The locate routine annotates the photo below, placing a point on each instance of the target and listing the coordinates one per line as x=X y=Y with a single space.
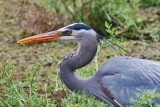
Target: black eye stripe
x=79 y=26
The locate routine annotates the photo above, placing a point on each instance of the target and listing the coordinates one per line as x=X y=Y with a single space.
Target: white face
x=83 y=32
x=77 y=33
x=71 y=33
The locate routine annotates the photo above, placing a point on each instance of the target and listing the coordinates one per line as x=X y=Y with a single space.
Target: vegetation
x=126 y=15
x=146 y=99
x=28 y=73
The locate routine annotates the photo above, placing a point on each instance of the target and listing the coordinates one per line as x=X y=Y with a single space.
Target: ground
x=28 y=73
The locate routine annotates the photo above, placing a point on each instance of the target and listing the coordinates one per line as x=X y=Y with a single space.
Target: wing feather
x=127 y=76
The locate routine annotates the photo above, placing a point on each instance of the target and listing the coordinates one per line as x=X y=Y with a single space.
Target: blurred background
x=137 y=20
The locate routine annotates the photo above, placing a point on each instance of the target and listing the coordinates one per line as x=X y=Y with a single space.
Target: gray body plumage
x=128 y=76
x=118 y=80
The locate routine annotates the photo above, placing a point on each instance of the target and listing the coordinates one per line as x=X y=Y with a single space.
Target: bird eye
x=67 y=32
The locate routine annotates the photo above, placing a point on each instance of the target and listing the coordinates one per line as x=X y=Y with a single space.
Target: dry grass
x=28 y=73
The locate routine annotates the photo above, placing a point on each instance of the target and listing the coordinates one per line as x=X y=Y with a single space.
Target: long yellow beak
x=54 y=35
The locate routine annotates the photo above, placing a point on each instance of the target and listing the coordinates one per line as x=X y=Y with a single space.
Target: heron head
x=75 y=31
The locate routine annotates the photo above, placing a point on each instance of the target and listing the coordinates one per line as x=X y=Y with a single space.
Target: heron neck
x=85 y=53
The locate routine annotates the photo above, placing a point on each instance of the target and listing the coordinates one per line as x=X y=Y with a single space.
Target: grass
x=131 y=17
x=23 y=83
x=28 y=73
x=39 y=85
x=146 y=99
x=27 y=93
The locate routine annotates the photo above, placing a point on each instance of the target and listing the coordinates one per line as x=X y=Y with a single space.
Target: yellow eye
x=68 y=32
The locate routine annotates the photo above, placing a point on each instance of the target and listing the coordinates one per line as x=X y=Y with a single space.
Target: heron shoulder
x=130 y=65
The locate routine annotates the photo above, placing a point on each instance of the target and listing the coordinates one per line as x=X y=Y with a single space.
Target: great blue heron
x=118 y=80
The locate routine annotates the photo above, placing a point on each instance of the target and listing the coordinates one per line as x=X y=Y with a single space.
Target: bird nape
x=119 y=79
